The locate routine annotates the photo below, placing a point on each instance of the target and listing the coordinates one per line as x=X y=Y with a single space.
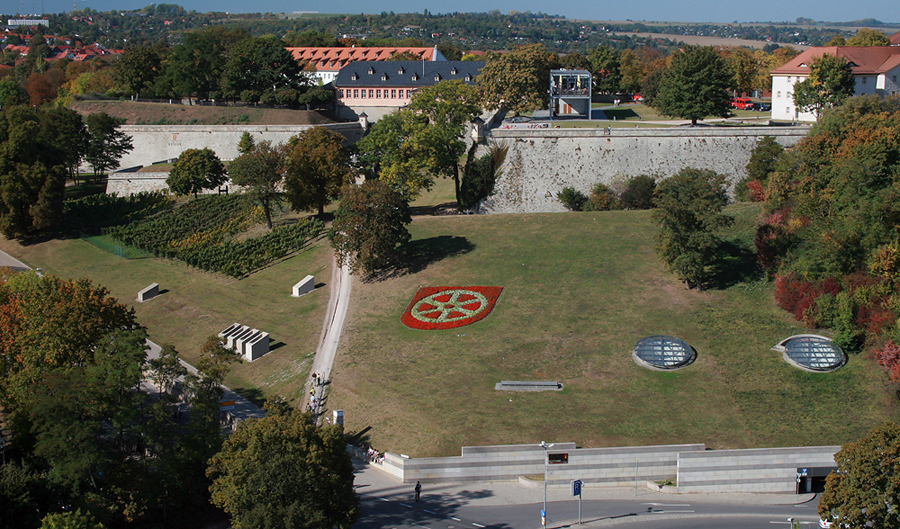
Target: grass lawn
x=641 y=112
x=580 y=290
x=196 y=304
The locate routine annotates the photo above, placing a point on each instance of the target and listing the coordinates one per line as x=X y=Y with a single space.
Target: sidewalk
x=12 y=262
x=374 y=482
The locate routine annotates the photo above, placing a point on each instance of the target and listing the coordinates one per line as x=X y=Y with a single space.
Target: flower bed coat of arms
x=435 y=308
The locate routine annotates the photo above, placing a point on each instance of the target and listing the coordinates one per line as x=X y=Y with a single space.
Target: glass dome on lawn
x=811 y=352
x=663 y=352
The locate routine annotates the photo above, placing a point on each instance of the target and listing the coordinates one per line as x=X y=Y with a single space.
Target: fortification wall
x=154 y=143
x=541 y=162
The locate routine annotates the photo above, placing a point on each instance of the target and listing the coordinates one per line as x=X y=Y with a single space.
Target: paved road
x=387 y=503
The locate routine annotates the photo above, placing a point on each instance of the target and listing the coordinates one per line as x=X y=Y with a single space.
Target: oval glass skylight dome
x=811 y=352
x=663 y=352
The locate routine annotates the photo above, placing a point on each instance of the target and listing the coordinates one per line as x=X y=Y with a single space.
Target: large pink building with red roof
x=329 y=61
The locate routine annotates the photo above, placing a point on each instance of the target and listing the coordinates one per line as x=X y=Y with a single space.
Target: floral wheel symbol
x=449 y=306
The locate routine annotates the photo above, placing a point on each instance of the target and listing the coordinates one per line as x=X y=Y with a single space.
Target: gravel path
x=334 y=323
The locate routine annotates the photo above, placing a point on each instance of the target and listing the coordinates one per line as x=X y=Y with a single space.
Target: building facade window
x=863 y=80
x=778 y=94
x=363 y=93
x=341 y=93
x=407 y=93
x=371 y=93
x=355 y=92
x=393 y=94
x=377 y=94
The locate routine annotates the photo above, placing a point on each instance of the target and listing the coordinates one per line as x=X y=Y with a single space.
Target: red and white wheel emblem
x=449 y=307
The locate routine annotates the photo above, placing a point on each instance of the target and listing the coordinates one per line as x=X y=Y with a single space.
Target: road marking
x=429 y=512
x=456 y=519
x=666 y=512
x=384 y=499
x=407 y=506
x=477 y=524
x=668 y=504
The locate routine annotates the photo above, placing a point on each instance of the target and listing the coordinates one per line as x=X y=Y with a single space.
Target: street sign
x=226 y=405
x=576 y=487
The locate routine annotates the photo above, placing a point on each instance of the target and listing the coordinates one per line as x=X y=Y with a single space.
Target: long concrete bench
x=513 y=385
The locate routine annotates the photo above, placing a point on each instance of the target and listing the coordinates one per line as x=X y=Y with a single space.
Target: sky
x=644 y=10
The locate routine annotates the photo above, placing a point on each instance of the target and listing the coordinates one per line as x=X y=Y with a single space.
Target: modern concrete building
x=329 y=61
x=570 y=93
x=875 y=68
x=378 y=88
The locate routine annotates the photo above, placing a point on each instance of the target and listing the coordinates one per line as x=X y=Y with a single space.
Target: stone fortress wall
x=540 y=162
x=156 y=143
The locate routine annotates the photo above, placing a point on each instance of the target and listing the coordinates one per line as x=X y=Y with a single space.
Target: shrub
x=572 y=199
x=889 y=356
x=602 y=199
x=638 y=193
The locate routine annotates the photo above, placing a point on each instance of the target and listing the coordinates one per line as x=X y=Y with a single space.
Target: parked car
x=762 y=107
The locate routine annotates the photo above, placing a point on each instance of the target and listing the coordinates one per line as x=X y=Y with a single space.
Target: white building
x=875 y=69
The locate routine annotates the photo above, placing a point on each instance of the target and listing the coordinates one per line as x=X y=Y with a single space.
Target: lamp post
x=545 y=446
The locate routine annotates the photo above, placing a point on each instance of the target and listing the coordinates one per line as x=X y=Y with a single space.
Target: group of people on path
x=316 y=381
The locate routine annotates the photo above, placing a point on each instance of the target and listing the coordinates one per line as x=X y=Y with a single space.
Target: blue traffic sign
x=576 y=487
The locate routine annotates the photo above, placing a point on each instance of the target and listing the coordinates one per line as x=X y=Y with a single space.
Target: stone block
x=305 y=286
x=241 y=340
x=230 y=338
x=148 y=293
x=256 y=347
x=230 y=330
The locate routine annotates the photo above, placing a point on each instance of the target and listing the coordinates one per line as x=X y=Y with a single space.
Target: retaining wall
x=753 y=470
x=764 y=470
x=154 y=143
x=600 y=466
x=540 y=162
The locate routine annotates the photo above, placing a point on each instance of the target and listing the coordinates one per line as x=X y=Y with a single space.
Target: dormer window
x=454 y=71
x=384 y=77
x=437 y=78
x=371 y=71
x=401 y=71
x=415 y=77
x=354 y=77
x=468 y=77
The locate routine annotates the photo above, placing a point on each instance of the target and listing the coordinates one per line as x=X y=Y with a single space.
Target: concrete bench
x=514 y=385
x=305 y=286
x=148 y=293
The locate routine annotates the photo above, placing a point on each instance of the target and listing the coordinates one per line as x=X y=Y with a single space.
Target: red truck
x=742 y=103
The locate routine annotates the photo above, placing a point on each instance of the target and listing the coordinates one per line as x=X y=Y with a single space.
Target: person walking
x=418 y=489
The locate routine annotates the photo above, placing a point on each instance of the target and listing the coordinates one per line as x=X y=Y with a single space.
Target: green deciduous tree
x=865 y=490
x=869 y=37
x=829 y=84
x=518 y=80
x=449 y=107
x=137 y=68
x=196 y=170
x=260 y=169
x=194 y=67
x=605 y=70
x=391 y=151
x=70 y=520
x=695 y=85
x=283 y=472
x=262 y=66
x=318 y=167
x=369 y=226
x=33 y=160
x=688 y=212
x=106 y=143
